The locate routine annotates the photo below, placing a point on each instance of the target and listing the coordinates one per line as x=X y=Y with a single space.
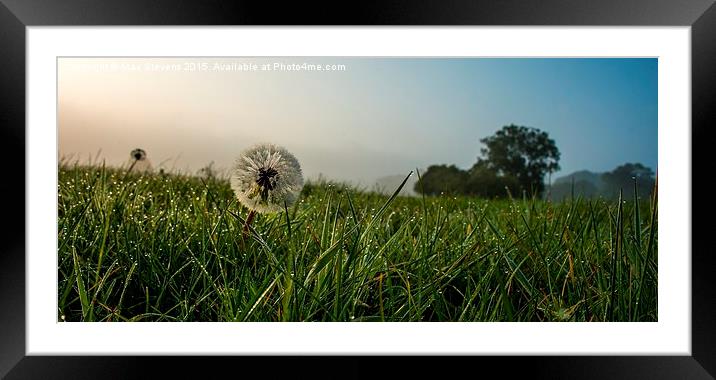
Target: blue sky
x=601 y=112
x=381 y=116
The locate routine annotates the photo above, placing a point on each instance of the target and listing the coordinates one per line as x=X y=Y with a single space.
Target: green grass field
x=167 y=247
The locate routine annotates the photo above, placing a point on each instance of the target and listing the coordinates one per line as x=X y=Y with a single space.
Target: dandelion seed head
x=265 y=177
x=138 y=154
x=138 y=161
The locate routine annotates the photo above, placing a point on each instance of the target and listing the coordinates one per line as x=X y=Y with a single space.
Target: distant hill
x=588 y=184
x=582 y=175
x=388 y=184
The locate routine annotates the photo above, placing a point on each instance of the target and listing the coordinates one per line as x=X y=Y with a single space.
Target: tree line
x=515 y=160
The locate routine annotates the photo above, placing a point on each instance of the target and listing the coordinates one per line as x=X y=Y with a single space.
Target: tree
x=442 y=179
x=524 y=153
x=484 y=182
x=623 y=178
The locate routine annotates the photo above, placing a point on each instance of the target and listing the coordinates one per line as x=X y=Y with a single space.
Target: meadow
x=171 y=247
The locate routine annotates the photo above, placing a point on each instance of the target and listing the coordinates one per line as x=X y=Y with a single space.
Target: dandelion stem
x=247 y=224
x=131 y=166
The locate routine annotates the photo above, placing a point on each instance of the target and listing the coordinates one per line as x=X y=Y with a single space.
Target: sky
x=365 y=119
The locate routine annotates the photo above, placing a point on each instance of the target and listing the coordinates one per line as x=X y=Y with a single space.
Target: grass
x=169 y=247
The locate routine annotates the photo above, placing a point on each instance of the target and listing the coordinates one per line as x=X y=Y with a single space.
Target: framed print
x=483 y=180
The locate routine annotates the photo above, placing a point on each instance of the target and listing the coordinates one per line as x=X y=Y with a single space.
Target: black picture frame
x=16 y=15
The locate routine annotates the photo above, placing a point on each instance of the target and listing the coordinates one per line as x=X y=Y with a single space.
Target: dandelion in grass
x=266 y=178
x=139 y=161
x=139 y=154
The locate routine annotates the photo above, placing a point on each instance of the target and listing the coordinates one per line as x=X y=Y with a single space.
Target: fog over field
x=365 y=119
